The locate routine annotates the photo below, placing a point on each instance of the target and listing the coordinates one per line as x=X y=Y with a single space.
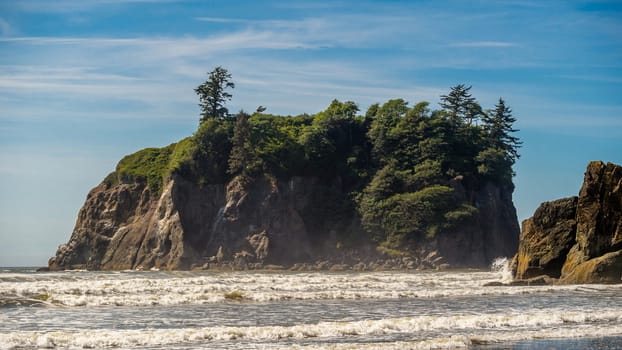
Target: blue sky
x=83 y=83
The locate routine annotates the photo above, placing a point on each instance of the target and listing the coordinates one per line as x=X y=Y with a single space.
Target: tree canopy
x=409 y=172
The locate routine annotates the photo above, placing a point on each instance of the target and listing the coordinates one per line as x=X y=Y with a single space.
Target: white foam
x=466 y=329
x=502 y=267
x=159 y=288
x=468 y=340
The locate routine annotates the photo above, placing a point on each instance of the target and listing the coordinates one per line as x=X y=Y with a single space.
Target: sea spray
x=501 y=266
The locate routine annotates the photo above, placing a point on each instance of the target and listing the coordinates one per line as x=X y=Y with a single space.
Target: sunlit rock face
x=579 y=239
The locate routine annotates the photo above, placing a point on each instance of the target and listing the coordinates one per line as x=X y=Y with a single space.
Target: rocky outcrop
x=127 y=227
x=263 y=222
x=546 y=239
x=579 y=239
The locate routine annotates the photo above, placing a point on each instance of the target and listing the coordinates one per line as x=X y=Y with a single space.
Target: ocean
x=296 y=310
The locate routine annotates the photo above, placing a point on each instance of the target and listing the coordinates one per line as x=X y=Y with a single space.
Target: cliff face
x=127 y=226
x=579 y=239
x=255 y=222
x=492 y=234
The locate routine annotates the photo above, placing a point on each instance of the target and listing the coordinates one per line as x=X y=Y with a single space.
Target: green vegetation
x=152 y=165
x=410 y=172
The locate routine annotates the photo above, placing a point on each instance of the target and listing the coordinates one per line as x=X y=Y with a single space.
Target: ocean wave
x=148 y=289
x=459 y=331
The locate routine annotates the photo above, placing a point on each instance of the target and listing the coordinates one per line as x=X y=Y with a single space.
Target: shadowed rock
x=251 y=223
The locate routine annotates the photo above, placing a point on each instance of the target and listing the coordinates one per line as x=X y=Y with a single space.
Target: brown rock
x=584 y=247
x=603 y=269
x=546 y=239
x=599 y=215
x=260 y=243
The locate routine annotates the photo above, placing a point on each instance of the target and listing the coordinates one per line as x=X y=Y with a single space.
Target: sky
x=83 y=83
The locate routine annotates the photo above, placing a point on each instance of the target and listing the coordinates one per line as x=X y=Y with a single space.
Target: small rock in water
x=339 y=267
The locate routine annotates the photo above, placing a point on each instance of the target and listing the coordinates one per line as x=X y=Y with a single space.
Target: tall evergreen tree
x=460 y=106
x=387 y=117
x=213 y=95
x=243 y=159
x=498 y=125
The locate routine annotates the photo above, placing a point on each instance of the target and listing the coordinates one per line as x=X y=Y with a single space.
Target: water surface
x=283 y=310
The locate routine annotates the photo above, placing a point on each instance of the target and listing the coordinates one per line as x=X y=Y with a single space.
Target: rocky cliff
x=578 y=239
x=253 y=223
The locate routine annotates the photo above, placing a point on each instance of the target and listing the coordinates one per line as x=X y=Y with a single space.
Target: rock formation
x=259 y=223
x=578 y=239
x=127 y=227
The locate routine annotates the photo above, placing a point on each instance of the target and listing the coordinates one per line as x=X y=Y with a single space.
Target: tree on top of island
x=397 y=162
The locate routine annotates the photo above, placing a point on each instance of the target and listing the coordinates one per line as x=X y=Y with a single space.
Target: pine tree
x=212 y=94
x=498 y=125
x=460 y=106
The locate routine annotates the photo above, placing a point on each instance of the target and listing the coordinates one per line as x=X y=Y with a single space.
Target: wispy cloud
x=71 y=40
x=484 y=44
x=310 y=5
x=269 y=58
x=594 y=78
x=179 y=46
x=266 y=23
x=71 y=6
x=223 y=20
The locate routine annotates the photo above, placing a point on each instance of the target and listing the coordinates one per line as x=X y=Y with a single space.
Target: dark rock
x=339 y=267
x=491 y=234
x=359 y=267
x=275 y=221
x=534 y=281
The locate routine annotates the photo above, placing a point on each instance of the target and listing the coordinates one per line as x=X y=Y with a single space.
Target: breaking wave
x=470 y=329
x=165 y=288
x=502 y=267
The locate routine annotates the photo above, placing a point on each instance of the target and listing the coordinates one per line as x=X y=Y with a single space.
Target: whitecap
x=467 y=329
